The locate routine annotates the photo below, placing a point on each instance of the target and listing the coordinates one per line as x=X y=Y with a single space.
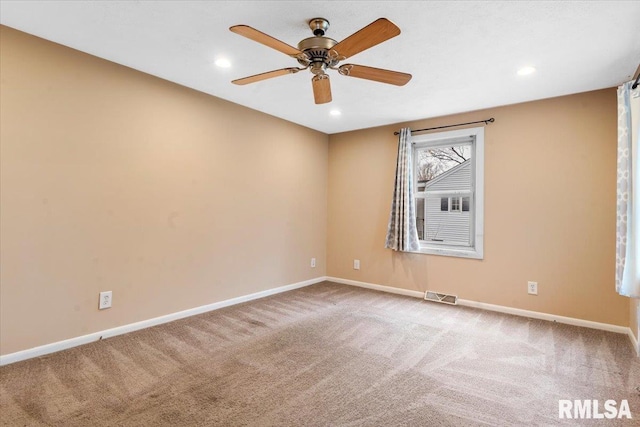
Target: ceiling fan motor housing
x=316 y=50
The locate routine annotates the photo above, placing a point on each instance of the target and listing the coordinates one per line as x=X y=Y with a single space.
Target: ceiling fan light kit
x=319 y=53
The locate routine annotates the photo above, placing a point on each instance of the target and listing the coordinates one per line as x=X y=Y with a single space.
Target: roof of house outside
x=444 y=175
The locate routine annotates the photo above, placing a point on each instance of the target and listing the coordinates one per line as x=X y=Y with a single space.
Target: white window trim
x=458 y=204
x=442 y=139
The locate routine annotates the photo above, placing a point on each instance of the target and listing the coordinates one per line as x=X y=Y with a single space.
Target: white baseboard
x=390 y=289
x=634 y=342
x=500 y=309
x=545 y=316
x=85 y=339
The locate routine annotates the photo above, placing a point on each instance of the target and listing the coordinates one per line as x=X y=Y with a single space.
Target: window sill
x=473 y=253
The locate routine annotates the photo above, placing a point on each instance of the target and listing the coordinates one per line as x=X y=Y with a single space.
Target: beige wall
x=111 y=179
x=115 y=180
x=550 y=179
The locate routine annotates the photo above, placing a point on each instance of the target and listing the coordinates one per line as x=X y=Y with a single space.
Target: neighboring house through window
x=449 y=177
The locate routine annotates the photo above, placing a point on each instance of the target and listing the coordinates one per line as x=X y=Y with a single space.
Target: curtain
x=402 y=234
x=628 y=193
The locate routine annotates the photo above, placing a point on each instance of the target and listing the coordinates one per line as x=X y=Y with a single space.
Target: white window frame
x=476 y=202
x=458 y=203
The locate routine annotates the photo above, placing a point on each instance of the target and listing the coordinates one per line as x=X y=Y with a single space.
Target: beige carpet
x=327 y=355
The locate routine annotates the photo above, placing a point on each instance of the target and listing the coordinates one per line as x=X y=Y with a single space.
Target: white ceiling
x=463 y=55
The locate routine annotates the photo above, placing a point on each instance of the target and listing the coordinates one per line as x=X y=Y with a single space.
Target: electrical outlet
x=532 y=288
x=105 y=300
x=313 y=262
x=356 y=264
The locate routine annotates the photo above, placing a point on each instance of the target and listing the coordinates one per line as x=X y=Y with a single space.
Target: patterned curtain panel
x=628 y=194
x=402 y=234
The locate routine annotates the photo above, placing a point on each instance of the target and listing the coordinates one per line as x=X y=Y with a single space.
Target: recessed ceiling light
x=525 y=71
x=335 y=113
x=223 y=63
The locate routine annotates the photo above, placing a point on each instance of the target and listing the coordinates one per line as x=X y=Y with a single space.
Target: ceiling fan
x=319 y=53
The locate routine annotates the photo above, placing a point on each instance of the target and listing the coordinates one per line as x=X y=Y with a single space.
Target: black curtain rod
x=486 y=122
x=637 y=77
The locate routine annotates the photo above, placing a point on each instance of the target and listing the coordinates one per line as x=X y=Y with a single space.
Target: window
x=455 y=204
x=454 y=201
x=449 y=177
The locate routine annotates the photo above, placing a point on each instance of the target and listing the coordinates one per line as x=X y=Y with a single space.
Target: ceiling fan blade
x=321 y=89
x=267 y=75
x=265 y=39
x=377 y=74
x=369 y=36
